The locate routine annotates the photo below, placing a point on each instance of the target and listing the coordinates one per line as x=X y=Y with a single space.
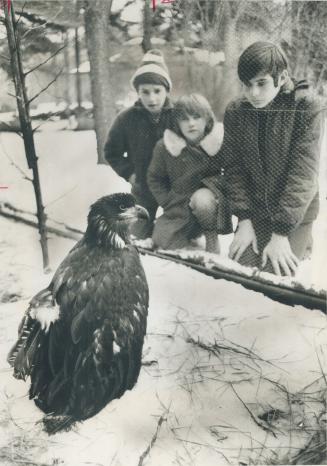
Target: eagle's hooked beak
x=134 y=213
x=141 y=212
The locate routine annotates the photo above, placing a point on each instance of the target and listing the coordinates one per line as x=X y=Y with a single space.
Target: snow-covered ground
x=229 y=376
x=214 y=353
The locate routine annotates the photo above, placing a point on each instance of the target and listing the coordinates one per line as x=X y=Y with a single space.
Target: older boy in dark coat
x=271 y=150
x=136 y=130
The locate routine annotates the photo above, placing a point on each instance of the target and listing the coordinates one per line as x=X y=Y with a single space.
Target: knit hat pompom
x=153 y=70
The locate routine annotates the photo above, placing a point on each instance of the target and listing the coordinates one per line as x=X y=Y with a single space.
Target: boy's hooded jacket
x=175 y=173
x=279 y=183
x=131 y=141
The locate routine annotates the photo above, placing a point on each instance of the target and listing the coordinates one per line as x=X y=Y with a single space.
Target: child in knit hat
x=136 y=130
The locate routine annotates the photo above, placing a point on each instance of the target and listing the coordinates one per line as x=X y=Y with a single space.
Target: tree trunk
x=97 y=39
x=229 y=85
x=25 y=122
x=147 y=26
x=78 y=74
x=67 y=71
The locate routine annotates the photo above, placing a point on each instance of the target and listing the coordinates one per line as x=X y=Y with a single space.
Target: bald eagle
x=81 y=338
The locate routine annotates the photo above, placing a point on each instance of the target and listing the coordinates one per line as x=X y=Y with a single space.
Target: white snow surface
x=216 y=356
x=269 y=355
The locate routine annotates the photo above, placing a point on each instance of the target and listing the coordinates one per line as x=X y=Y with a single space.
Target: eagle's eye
x=122 y=208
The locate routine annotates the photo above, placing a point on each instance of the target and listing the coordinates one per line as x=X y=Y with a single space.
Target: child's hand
x=281 y=256
x=243 y=238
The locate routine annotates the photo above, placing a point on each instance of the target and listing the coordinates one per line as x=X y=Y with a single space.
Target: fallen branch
x=32 y=223
x=309 y=298
x=10 y=128
x=286 y=294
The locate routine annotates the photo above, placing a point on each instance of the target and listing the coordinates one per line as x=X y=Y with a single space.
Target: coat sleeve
x=116 y=148
x=157 y=176
x=302 y=180
x=230 y=154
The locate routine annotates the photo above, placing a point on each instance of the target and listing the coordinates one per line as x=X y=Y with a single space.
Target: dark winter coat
x=175 y=173
x=279 y=182
x=131 y=141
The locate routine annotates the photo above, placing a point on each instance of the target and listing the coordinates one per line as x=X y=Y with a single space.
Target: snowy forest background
x=97 y=44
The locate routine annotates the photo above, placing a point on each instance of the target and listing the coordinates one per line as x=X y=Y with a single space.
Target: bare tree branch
x=39 y=126
x=12 y=95
x=20 y=15
x=21 y=171
x=46 y=87
x=60 y=197
x=44 y=61
x=40 y=26
x=45 y=121
x=44 y=24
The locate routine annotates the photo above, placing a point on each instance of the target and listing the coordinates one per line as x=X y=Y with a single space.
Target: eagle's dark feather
x=98 y=298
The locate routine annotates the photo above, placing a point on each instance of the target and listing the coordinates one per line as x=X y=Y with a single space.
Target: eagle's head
x=110 y=217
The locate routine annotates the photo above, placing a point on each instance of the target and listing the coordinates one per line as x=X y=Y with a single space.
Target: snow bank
x=228 y=375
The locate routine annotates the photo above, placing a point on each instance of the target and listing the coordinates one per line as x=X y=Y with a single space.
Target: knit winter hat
x=153 y=70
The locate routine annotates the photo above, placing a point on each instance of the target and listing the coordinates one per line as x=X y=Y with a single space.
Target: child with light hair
x=181 y=160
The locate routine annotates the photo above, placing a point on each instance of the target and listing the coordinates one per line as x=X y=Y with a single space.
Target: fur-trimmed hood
x=210 y=143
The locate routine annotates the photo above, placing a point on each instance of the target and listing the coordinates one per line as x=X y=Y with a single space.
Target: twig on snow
x=321 y=368
x=253 y=417
x=205 y=445
x=161 y=419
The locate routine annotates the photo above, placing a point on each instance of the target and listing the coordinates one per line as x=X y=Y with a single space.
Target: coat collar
x=210 y=143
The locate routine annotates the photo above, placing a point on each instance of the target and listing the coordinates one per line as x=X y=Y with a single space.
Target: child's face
x=260 y=90
x=192 y=127
x=152 y=96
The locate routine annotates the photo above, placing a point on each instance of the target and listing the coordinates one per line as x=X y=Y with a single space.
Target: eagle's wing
x=92 y=351
x=42 y=311
x=103 y=301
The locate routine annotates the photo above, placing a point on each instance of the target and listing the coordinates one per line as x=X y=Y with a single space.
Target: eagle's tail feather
x=23 y=333
x=55 y=423
x=21 y=356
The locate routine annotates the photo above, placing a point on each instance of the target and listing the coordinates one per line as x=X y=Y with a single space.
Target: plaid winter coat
x=131 y=141
x=279 y=182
